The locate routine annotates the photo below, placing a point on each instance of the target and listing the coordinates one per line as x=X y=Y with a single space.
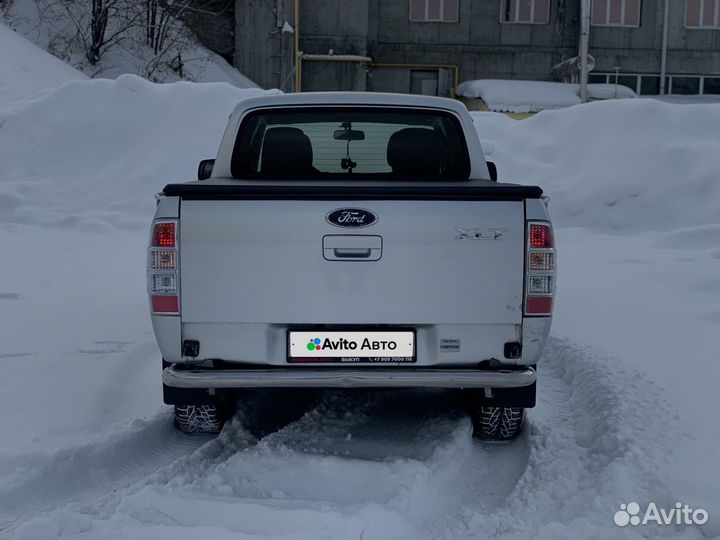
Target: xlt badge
x=480 y=234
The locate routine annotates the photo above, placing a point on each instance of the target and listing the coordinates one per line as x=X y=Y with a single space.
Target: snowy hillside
x=29 y=69
x=627 y=399
x=58 y=27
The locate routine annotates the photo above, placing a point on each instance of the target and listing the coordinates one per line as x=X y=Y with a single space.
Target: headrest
x=286 y=150
x=415 y=151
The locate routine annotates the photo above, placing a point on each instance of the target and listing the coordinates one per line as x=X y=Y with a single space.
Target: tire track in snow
x=598 y=438
x=404 y=464
x=146 y=451
x=413 y=450
x=111 y=459
x=354 y=462
x=78 y=473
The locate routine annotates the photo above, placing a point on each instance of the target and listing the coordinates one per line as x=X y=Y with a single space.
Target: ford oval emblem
x=351 y=217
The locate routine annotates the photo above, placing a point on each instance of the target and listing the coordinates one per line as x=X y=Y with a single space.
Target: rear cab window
x=350 y=143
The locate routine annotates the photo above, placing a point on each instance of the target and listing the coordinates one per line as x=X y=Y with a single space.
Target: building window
x=648 y=84
x=434 y=10
x=685 y=86
x=702 y=14
x=525 y=11
x=615 y=13
x=712 y=85
x=597 y=78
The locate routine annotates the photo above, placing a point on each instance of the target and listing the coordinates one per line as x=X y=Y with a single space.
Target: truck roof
x=352 y=98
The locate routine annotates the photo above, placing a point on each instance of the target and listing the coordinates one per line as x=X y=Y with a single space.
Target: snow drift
x=92 y=153
x=624 y=166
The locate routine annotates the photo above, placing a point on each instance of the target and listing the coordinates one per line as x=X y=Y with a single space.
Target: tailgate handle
x=352 y=253
x=352 y=247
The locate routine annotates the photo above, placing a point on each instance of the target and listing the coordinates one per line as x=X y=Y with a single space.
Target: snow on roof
x=520 y=96
x=26 y=69
x=609 y=91
x=533 y=96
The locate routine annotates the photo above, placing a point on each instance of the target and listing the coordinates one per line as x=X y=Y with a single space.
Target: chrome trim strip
x=347 y=378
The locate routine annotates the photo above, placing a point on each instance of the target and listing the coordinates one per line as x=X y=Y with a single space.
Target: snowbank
x=26 y=69
x=92 y=153
x=89 y=153
x=534 y=96
x=614 y=166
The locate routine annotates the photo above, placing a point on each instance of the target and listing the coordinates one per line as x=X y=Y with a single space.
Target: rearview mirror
x=205 y=169
x=492 y=168
x=349 y=135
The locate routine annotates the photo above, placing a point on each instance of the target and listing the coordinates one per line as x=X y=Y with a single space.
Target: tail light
x=540 y=269
x=162 y=266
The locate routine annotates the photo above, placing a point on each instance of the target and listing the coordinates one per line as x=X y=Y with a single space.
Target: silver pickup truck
x=351 y=240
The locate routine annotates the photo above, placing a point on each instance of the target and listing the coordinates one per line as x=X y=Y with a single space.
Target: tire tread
x=497 y=423
x=198 y=418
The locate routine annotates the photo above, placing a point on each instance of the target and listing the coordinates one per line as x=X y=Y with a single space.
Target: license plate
x=349 y=347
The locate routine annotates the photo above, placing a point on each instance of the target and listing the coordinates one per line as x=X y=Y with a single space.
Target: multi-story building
x=426 y=46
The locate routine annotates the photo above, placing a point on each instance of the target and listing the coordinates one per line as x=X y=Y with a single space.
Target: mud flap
x=194 y=396
x=523 y=397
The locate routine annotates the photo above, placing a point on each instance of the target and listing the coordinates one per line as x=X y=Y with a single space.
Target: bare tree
x=99 y=14
x=162 y=16
x=165 y=31
x=156 y=17
x=100 y=24
x=165 y=35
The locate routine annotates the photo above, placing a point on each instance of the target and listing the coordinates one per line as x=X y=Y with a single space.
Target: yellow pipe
x=298 y=58
x=338 y=58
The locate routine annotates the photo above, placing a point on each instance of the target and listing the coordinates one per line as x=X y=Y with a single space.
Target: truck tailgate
x=264 y=261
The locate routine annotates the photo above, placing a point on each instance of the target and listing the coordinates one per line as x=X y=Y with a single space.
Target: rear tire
x=198 y=418
x=497 y=423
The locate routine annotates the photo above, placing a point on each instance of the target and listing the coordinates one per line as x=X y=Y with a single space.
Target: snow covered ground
x=627 y=400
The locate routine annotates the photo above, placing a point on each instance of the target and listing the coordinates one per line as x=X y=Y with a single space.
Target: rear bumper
x=347 y=378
